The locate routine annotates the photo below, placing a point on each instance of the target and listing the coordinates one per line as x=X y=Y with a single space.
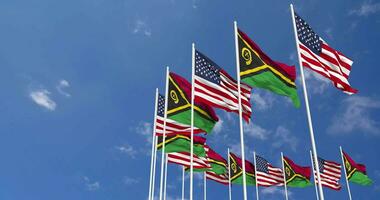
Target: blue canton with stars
x=206 y=68
x=321 y=162
x=261 y=164
x=307 y=36
x=160 y=105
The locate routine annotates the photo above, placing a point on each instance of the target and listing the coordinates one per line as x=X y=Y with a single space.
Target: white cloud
x=262 y=100
x=315 y=82
x=329 y=34
x=91 y=186
x=41 y=97
x=127 y=149
x=130 y=181
x=256 y=131
x=283 y=137
x=145 y=129
x=218 y=126
x=354 y=114
x=141 y=27
x=366 y=8
x=274 y=190
x=61 y=86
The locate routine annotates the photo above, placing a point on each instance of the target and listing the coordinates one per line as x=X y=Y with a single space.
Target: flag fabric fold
x=237 y=170
x=179 y=107
x=356 y=172
x=259 y=70
x=330 y=173
x=267 y=175
x=182 y=143
x=172 y=127
x=183 y=158
x=220 y=178
x=318 y=56
x=295 y=175
x=215 y=87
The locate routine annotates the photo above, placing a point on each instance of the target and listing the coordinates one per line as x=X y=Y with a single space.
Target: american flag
x=183 y=158
x=222 y=178
x=330 y=173
x=267 y=175
x=172 y=127
x=317 y=55
x=215 y=87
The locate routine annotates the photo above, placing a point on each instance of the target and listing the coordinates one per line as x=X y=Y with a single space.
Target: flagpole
x=313 y=167
x=283 y=171
x=345 y=173
x=166 y=175
x=257 y=185
x=314 y=148
x=204 y=186
x=229 y=175
x=153 y=146
x=183 y=182
x=154 y=167
x=192 y=119
x=240 y=112
x=164 y=133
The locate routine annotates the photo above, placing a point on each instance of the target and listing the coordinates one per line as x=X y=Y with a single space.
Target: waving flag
x=182 y=143
x=179 y=107
x=295 y=175
x=259 y=70
x=221 y=178
x=317 y=55
x=183 y=158
x=330 y=173
x=215 y=87
x=237 y=170
x=267 y=175
x=356 y=172
x=172 y=127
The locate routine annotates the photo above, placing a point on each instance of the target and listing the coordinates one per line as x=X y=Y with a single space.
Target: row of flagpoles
x=311 y=50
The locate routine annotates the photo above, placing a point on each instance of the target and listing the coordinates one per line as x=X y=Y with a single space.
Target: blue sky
x=78 y=80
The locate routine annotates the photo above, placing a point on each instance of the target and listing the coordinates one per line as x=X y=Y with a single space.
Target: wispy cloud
x=284 y=138
x=145 y=129
x=329 y=34
x=130 y=180
x=366 y=8
x=218 y=126
x=354 y=114
x=91 y=186
x=262 y=100
x=274 y=191
x=42 y=98
x=316 y=82
x=62 y=85
x=141 y=27
x=127 y=149
x=256 y=131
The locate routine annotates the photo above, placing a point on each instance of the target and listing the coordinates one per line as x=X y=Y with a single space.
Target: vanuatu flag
x=179 y=107
x=237 y=170
x=356 y=172
x=259 y=70
x=296 y=176
x=181 y=143
x=217 y=163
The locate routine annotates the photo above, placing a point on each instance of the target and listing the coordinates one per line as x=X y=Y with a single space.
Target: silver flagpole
x=240 y=112
x=183 y=182
x=164 y=134
x=154 y=167
x=283 y=171
x=204 y=186
x=314 y=148
x=229 y=175
x=313 y=167
x=166 y=175
x=192 y=120
x=153 y=147
x=257 y=185
x=345 y=173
